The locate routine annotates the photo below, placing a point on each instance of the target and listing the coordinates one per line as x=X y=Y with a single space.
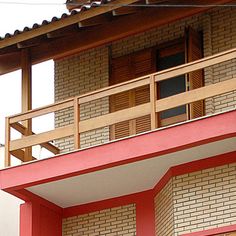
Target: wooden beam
x=64 y=32
x=7 y=142
x=76 y=124
x=63 y=22
x=97 y=20
x=29 y=44
x=20 y=154
x=26 y=96
x=153 y=99
x=150 y=2
x=125 y=10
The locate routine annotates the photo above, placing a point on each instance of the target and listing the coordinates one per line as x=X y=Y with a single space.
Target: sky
x=17 y=16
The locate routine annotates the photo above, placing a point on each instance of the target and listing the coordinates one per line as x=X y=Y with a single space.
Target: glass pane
x=172 y=86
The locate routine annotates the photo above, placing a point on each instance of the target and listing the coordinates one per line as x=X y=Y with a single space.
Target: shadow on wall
x=9 y=209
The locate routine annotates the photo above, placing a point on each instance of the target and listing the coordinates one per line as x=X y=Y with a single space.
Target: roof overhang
x=91 y=28
x=123 y=167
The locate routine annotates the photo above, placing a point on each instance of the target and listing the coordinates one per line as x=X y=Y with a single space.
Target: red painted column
x=39 y=220
x=145 y=215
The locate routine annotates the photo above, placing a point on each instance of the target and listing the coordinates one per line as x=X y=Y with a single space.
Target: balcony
x=22 y=148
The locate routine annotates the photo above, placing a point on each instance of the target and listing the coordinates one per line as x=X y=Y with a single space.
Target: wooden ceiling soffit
x=114 y=30
x=110 y=31
x=73 y=19
x=97 y=20
x=31 y=43
x=125 y=10
x=9 y=62
x=64 y=32
x=155 y=1
x=9 y=50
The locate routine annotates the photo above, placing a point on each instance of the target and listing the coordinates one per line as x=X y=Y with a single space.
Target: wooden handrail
x=151 y=108
x=114 y=89
x=50 y=147
x=196 y=95
x=41 y=111
x=114 y=117
x=195 y=65
x=36 y=139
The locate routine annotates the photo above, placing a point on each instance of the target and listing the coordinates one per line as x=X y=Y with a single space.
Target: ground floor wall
x=197 y=201
x=200 y=202
x=115 y=221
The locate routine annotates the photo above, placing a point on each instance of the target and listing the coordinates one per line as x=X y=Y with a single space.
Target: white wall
x=9 y=209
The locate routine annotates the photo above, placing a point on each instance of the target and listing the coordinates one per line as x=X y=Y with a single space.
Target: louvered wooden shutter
x=121 y=72
x=123 y=69
x=194 y=52
x=143 y=64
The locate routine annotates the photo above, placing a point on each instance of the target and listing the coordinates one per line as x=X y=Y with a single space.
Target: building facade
x=145 y=122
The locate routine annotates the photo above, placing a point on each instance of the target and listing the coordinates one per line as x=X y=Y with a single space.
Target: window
x=146 y=62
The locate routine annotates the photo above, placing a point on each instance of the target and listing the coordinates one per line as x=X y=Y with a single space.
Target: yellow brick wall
x=197 y=201
x=164 y=211
x=205 y=199
x=224 y=38
x=77 y=75
x=109 y=222
x=89 y=70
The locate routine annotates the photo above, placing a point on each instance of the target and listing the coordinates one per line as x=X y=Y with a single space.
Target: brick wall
x=90 y=70
x=164 y=209
x=200 y=200
x=77 y=75
x=224 y=38
x=115 y=221
x=205 y=199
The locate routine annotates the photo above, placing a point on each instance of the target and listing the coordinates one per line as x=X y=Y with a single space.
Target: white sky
x=14 y=17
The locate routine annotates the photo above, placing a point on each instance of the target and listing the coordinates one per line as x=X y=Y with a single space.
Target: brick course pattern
x=201 y=200
x=109 y=222
x=89 y=70
x=164 y=210
x=78 y=75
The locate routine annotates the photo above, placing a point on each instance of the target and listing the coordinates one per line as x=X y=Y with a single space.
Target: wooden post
x=76 y=124
x=153 y=98
x=7 y=142
x=26 y=93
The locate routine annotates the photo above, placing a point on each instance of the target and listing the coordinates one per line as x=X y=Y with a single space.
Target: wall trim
x=210 y=162
x=106 y=204
x=135 y=198
x=212 y=232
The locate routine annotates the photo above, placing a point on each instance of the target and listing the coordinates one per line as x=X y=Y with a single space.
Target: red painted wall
x=39 y=220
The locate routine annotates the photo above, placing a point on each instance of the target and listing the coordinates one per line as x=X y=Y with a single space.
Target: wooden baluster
x=76 y=124
x=7 y=142
x=153 y=98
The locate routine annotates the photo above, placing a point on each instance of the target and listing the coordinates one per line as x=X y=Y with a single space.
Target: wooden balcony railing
x=29 y=139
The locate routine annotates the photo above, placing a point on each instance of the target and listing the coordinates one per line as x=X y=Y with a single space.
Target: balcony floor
x=125 y=166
